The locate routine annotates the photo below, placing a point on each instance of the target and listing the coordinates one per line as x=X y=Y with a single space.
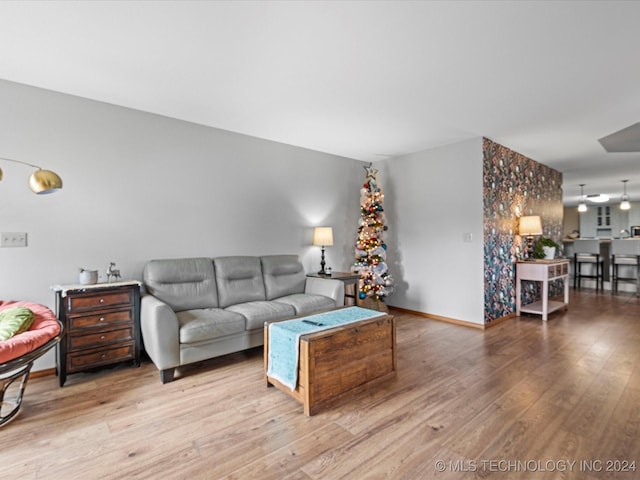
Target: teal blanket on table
x=284 y=339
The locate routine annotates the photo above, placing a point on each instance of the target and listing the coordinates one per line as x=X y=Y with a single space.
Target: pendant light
x=624 y=204
x=582 y=206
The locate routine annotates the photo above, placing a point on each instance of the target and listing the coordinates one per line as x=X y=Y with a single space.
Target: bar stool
x=587 y=251
x=625 y=253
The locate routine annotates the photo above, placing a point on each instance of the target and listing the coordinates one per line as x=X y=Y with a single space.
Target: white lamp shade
x=323 y=236
x=530 y=225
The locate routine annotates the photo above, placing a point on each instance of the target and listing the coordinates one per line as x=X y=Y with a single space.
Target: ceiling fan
x=598 y=198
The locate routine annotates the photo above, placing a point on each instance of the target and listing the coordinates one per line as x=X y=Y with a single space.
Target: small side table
x=101 y=325
x=542 y=271
x=350 y=281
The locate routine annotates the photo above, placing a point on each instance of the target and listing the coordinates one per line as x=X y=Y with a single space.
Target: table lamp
x=528 y=227
x=323 y=237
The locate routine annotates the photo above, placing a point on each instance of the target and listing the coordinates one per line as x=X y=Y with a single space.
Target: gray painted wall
x=139 y=186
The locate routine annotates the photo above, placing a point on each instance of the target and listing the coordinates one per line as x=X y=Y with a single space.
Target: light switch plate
x=13 y=239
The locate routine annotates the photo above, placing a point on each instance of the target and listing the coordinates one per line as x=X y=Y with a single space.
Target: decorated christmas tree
x=371 y=251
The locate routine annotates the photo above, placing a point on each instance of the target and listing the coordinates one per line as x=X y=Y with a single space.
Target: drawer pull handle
x=102 y=337
x=102 y=319
x=104 y=355
x=102 y=300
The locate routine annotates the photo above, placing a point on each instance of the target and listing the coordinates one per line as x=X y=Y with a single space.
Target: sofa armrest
x=160 y=332
x=328 y=287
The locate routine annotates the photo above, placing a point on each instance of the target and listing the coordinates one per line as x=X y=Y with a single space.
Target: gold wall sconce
x=41 y=181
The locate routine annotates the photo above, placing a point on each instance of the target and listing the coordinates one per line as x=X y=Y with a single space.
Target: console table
x=542 y=271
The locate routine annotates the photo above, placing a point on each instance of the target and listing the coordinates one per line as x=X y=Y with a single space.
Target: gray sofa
x=200 y=308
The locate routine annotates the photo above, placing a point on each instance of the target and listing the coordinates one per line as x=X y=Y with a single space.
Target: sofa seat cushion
x=256 y=313
x=304 y=303
x=45 y=326
x=208 y=323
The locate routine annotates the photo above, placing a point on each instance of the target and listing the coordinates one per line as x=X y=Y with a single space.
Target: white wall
x=139 y=186
x=432 y=198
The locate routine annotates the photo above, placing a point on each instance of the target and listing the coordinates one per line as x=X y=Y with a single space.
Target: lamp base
x=322 y=264
x=528 y=253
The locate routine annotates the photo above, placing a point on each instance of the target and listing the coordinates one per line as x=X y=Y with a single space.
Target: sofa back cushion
x=239 y=280
x=283 y=275
x=182 y=283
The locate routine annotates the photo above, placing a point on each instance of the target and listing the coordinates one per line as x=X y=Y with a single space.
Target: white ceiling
x=361 y=79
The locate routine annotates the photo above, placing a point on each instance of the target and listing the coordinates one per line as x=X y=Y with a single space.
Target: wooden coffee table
x=340 y=361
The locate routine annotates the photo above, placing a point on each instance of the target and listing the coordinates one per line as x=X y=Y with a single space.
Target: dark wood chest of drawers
x=101 y=325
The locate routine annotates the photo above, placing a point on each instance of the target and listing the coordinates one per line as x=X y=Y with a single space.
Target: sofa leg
x=166 y=375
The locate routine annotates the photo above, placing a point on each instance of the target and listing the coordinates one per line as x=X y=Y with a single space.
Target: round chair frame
x=18 y=369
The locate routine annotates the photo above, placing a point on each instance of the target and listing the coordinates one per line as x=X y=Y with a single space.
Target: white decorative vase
x=88 y=277
x=549 y=252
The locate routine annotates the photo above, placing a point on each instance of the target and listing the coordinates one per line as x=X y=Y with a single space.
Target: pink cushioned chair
x=18 y=353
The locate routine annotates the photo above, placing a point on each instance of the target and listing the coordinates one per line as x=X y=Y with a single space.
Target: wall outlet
x=13 y=239
x=467 y=237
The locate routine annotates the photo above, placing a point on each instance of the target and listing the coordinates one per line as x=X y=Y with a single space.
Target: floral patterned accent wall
x=514 y=185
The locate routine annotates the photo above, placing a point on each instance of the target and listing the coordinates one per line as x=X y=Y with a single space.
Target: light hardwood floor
x=514 y=401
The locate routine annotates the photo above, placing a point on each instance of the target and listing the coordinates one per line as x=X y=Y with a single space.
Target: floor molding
x=42 y=373
x=440 y=318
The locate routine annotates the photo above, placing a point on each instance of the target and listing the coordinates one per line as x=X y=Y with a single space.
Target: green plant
x=538 y=251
